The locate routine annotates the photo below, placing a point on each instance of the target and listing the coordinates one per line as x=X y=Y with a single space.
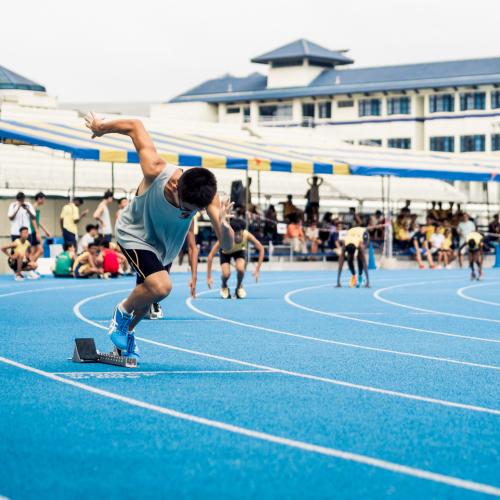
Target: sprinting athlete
x=237 y=252
x=354 y=242
x=475 y=246
x=152 y=228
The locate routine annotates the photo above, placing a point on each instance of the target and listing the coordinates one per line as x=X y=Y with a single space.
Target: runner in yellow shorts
x=475 y=246
x=353 y=243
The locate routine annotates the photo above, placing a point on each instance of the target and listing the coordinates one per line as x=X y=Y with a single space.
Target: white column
x=297 y=111
x=222 y=112
x=254 y=113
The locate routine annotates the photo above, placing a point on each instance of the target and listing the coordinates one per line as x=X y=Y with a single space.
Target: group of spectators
x=92 y=255
x=442 y=236
x=95 y=255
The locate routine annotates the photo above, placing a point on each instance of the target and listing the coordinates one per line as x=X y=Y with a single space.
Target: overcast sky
x=151 y=50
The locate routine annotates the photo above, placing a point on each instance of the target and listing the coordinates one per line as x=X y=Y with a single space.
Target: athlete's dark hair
x=472 y=244
x=237 y=225
x=108 y=194
x=197 y=186
x=93 y=244
x=24 y=228
x=67 y=246
x=39 y=196
x=89 y=227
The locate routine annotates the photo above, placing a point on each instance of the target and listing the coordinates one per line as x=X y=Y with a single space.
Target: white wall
x=292 y=76
x=185 y=111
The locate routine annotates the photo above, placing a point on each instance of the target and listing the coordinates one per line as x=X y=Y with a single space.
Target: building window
x=441 y=102
x=369 y=107
x=472 y=100
x=287 y=63
x=399 y=143
x=445 y=143
x=345 y=104
x=308 y=110
x=472 y=143
x=275 y=112
x=370 y=142
x=246 y=114
x=495 y=142
x=232 y=110
x=325 y=109
x=495 y=99
x=398 y=106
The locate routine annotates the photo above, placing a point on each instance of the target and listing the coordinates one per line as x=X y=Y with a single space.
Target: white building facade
x=451 y=106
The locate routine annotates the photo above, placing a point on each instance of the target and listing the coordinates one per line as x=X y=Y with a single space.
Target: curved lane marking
x=342 y=383
x=461 y=293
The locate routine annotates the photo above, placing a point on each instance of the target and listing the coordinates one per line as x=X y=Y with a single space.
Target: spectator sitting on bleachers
x=351 y=219
x=89 y=237
x=64 y=262
x=312 y=237
x=18 y=254
x=401 y=231
x=436 y=240
x=494 y=229
x=445 y=252
x=421 y=247
x=295 y=235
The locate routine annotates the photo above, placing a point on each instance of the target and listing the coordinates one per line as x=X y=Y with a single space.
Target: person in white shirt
x=21 y=214
x=436 y=241
x=465 y=228
x=101 y=215
x=89 y=237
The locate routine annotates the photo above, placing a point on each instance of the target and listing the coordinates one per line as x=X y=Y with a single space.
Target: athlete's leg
x=362 y=264
x=225 y=273
x=341 y=265
x=240 y=272
x=155 y=288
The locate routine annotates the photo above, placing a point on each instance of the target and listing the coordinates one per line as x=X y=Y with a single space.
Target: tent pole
x=246 y=196
x=258 y=188
x=73 y=187
x=113 y=177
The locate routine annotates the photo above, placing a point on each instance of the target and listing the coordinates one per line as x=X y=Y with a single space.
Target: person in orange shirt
x=295 y=235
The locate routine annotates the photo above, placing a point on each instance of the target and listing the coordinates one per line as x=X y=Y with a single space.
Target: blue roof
x=344 y=81
x=301 y=49
x=11 y=80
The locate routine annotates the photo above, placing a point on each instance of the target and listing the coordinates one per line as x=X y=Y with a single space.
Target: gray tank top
x=151 y=222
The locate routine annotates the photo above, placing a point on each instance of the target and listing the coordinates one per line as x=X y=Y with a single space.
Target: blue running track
x=301 y=390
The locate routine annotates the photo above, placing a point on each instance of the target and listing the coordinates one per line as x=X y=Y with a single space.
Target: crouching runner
x=152 y=228
x=237 y=252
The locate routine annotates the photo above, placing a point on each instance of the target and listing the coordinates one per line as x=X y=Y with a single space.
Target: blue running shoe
x=360 y=281
x=118 y=328
x=132 y=350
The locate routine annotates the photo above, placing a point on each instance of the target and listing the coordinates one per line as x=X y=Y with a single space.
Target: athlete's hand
x=210 y=282
x=256 y=275
x=225 y=211
x=94 y=124
x=192 y=287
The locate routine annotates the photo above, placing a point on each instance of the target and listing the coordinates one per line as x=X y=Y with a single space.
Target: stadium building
x=451 y=106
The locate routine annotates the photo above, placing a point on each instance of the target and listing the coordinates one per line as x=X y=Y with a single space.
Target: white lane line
x=461 y=293
x=380 y=323
x=190 y=304
x=378 y=296
x=271 y=438
x=376 y=390
x=160 y=372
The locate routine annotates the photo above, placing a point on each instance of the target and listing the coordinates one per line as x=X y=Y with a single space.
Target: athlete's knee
x=159 y=288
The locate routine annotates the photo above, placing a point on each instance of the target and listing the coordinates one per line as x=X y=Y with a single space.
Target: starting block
x=86 y=352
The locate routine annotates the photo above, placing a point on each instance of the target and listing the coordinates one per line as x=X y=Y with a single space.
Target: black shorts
x=33 y=239
x=144 y=263
x=69 y=237
x=13 y=264
x=225 y=258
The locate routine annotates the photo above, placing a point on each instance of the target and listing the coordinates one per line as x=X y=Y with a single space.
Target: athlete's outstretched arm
x=193 y=259
x=210 y=260
x=260 y=248
x=151 y=163
x=219 y=213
